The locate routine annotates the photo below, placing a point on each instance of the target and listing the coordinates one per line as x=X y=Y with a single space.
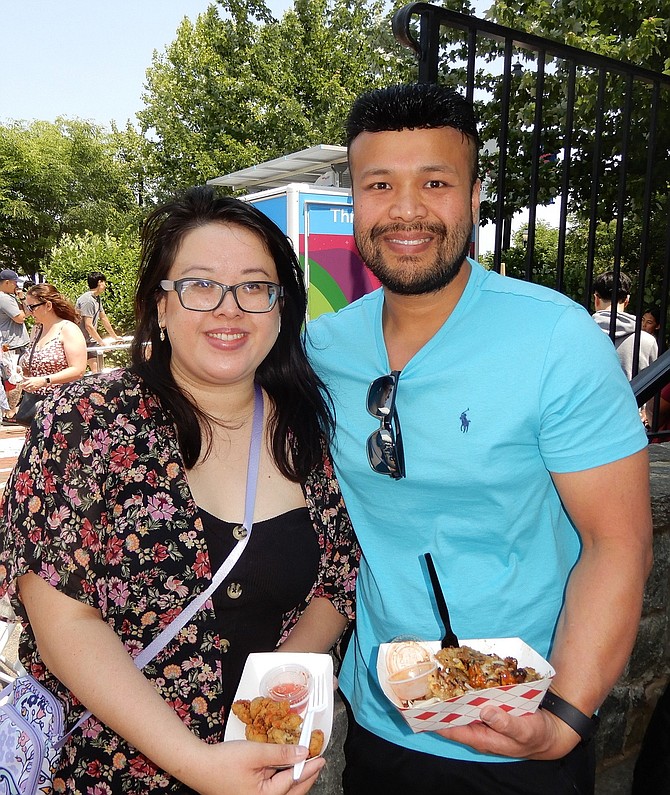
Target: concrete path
x=11 y=442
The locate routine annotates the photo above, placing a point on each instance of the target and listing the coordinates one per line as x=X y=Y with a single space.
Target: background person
x=521 y=545
x=624 y=334
x=90 y=309
x=141 y=479
x=59 y=352
x=651 y=321
x=13 y=333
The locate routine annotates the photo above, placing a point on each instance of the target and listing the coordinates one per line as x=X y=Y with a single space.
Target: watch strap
x=575 y=718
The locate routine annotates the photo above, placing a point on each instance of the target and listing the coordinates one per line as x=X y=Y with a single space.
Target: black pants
x=652 y=769
x=376 y=766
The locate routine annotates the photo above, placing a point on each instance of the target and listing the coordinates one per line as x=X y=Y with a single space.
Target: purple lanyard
x=162 y=639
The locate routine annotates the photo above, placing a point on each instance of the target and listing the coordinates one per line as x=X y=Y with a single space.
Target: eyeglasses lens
x=384 y=446
x=203 y=295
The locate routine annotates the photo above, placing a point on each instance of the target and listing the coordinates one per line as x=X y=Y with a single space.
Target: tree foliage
x=601 y=182
x=238 y=87
x=57 y=178
x=544 y=259
x=76 y=256
x=635 y=32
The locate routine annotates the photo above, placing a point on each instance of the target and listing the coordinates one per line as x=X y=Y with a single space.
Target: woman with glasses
x=143 y=477
x=57 y=351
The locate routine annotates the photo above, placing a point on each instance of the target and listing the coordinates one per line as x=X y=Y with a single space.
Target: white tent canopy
x=324 y=165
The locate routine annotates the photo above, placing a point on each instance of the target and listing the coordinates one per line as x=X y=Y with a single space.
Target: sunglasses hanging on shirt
x=385 y=451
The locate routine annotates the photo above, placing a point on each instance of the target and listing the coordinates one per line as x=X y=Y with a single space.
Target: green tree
x=635 y=31
x=239 y=87
x=544 y=258
x=117 y=257
x=56 y=179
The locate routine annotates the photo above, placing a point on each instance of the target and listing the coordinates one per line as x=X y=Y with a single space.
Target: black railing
x=585 y=132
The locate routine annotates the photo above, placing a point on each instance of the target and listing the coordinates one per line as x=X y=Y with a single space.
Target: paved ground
x=615 y=780
x=11 y=441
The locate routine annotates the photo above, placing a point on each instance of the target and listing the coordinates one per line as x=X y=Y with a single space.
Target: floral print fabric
x=99 y=506
x=47 y=360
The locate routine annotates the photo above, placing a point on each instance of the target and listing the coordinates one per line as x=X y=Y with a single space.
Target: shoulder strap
x=163 y=638
x=34 y=345
x=160 y=641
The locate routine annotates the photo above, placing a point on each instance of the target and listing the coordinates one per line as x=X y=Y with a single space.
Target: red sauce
x=289 y=691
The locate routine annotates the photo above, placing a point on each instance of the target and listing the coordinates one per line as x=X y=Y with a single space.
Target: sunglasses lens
x=380 y=396
x=384 y=455
x=384 y=448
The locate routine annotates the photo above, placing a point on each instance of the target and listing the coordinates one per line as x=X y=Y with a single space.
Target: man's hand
x=537 y=736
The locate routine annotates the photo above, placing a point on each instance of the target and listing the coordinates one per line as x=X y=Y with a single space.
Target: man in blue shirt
x=487 y=421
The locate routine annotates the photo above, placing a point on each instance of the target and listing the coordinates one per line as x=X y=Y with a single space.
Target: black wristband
x=576 y=720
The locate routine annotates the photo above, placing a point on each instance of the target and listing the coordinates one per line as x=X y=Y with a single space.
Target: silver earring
x=162 y=334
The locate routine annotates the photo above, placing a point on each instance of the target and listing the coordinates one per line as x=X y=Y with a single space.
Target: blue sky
x=84 y=58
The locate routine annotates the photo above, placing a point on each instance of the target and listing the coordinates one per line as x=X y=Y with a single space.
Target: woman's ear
x=160 y=308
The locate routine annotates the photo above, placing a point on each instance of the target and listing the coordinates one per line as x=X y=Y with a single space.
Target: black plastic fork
x=449 y=639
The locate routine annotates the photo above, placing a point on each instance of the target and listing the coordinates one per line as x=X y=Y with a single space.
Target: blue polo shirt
x=519 y=382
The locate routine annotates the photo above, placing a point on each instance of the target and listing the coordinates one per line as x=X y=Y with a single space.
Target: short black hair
x=412 y=106
x=655 y=312
x=94 y=279
x=603 y=285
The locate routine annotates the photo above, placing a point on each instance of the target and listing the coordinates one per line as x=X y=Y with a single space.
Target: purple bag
x=31 y=726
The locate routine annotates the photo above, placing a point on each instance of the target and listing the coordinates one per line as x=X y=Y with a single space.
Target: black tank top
x=275 y=573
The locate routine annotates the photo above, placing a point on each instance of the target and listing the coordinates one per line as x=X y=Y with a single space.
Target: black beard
x=453 y=247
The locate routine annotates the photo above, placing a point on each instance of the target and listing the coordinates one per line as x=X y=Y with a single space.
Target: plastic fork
x=318 y=700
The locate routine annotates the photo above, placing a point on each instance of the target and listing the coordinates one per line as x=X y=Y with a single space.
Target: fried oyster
x=268 y=721
x=463 y=669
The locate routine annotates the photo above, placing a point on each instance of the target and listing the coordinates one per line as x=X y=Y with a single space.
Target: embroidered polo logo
x=465 y=422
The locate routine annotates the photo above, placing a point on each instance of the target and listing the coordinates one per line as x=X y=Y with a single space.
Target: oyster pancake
x=463 y=669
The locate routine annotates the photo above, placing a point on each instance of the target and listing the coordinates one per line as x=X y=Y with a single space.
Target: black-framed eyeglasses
x=205 y=295
x=33 y=307
x=385 y=451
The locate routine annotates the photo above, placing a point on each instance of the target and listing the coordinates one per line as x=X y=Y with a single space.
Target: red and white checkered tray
x=433 y=714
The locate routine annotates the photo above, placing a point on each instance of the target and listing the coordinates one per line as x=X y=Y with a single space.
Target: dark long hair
x=302 y=414
x=61 y=305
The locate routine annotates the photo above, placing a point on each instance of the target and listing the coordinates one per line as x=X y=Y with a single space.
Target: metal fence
x=569 y=135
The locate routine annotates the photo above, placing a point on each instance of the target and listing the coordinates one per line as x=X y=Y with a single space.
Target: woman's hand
x=84 y=652
x=246 y=768
x=34 y=383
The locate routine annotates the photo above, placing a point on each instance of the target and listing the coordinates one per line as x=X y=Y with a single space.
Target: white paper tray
x=257 y=665
x=515 y=699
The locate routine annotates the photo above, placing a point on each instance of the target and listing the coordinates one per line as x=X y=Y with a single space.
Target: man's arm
x=91 y=330
x=108 y=326
x=11 y=306
x=610 y=507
